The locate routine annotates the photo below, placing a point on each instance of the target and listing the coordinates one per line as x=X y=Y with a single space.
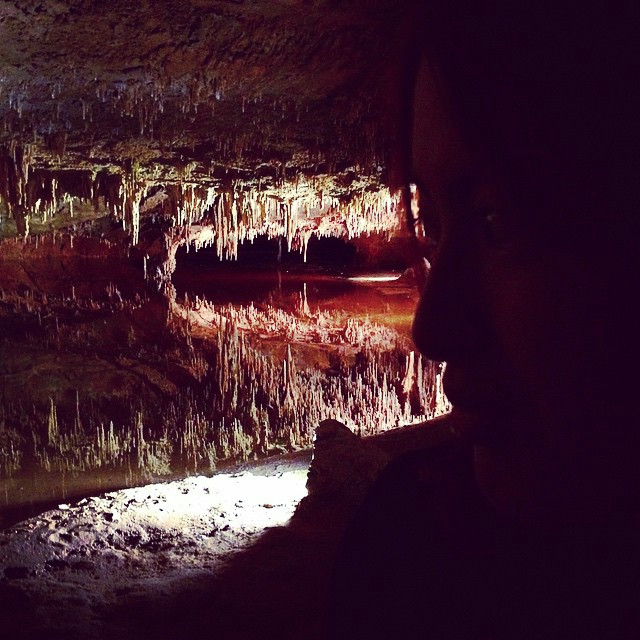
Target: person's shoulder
x=418 y=486
x=442 y=457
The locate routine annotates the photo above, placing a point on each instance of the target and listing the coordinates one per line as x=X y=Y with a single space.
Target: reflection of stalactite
x=409 y=378
x=105 y=447
x=255 y=393
x=371 y=395
x=11 y=448
x=52 y=423
x=319 y=327
x=304 y=308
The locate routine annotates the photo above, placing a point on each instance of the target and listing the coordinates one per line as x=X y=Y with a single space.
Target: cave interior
x=202 y=258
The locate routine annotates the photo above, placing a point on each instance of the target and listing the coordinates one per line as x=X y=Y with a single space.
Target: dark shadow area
x=330 y=254
x=275 y=589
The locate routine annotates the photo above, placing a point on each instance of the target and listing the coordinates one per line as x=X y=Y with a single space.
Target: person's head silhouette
x=524 y=148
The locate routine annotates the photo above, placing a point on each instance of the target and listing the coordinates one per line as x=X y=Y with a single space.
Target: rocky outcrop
x=343 y=466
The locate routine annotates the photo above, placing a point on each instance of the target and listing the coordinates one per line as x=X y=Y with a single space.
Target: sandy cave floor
x=217 y=556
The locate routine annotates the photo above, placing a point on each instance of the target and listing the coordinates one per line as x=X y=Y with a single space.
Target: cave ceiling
x=258 y=117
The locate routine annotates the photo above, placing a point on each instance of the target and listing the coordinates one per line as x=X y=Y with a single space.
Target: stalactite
x=233 y=216
x=295 y=209
x=15 y=163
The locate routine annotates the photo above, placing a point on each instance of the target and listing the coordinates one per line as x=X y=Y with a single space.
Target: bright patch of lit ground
x=228 y=557
x=67 y=567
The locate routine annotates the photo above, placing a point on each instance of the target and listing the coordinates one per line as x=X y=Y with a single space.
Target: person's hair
x=547 y=92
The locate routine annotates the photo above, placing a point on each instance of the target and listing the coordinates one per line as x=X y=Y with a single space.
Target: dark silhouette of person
x=521 y=127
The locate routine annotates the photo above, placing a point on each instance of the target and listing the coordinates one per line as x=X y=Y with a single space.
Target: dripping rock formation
x=250 y=117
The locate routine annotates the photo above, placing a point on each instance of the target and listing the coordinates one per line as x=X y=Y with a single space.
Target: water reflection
x=239 y=366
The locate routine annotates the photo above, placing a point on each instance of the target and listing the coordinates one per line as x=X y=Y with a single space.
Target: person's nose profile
x=447 y=322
